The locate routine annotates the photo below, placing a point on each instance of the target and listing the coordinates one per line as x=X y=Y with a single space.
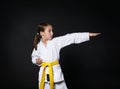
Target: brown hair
x=40 y=28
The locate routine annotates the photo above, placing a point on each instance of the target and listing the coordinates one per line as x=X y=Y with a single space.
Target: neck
x=44 y=41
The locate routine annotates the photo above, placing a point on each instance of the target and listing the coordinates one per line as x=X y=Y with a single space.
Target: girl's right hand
x=38 y=61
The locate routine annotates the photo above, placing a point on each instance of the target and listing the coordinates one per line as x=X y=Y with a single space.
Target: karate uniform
x=50 y=53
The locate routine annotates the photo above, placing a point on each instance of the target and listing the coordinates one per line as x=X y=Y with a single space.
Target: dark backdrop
x=89 y=65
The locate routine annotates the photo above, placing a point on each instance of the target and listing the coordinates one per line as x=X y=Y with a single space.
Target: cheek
x=48 y=35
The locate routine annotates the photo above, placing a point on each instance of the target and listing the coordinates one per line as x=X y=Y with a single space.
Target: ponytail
x=36 y=40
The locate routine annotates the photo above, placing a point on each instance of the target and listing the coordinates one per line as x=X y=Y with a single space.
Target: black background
x=90 y=65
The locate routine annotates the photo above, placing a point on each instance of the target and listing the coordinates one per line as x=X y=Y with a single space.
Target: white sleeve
x=71 y=38
x=34 y=56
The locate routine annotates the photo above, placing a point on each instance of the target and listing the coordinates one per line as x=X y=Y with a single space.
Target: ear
x=41 y=33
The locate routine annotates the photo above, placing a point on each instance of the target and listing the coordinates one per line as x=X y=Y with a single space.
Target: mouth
x=52 y=36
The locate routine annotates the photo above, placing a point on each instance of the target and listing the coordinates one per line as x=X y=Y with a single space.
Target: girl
x=46 y=54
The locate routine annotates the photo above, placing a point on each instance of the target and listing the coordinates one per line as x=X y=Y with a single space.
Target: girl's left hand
x=94 y=34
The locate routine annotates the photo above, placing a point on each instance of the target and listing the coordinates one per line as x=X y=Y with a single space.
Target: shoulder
x=38 y=45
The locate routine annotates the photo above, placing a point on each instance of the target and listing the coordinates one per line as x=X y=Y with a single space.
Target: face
x=48 y=33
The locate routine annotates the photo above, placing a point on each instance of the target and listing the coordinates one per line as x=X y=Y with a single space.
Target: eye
x=50 y=30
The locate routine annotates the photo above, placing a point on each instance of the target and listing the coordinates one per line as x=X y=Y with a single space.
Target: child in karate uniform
x=46 y=54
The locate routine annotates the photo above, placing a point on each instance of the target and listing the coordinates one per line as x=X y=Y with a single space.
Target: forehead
x=49 y=27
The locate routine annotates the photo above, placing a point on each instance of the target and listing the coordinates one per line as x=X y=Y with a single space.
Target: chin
x=50 y=39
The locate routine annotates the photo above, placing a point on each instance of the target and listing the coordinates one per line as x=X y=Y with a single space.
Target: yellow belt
x=49 y=65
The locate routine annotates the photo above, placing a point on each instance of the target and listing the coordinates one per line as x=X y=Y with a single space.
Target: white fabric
x=50 y=52
x=58 y=85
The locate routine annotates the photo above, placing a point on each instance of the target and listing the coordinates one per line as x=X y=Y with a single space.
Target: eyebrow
x=50 y=29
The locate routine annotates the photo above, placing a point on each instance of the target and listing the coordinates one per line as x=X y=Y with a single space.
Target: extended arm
x=68 y=39
x=71 y=38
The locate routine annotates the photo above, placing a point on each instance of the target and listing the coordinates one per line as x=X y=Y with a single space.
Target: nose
x=51 y=32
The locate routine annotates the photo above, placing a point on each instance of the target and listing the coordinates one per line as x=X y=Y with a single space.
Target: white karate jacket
x=51 y=52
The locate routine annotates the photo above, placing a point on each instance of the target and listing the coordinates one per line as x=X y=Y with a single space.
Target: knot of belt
x=49 y=65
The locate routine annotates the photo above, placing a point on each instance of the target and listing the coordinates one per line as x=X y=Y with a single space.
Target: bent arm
x=35 y=57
